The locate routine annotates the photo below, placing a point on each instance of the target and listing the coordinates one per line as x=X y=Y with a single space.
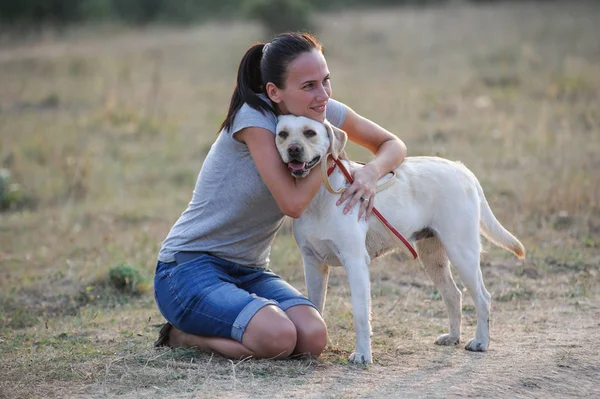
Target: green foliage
x=277 y=15
x=12 y=195
x=97 y=9
x=36 y=11
x=127 y=278
x=333 y=4
x=15 y=315
x=280 y=15
x=130 y=11
x=122 y=284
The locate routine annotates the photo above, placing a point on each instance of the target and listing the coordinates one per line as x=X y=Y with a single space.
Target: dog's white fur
x=430 y=195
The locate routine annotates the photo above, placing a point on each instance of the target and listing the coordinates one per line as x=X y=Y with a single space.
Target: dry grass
x=107 y=130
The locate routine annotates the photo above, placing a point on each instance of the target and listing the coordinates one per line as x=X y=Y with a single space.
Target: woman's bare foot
x=173 y=337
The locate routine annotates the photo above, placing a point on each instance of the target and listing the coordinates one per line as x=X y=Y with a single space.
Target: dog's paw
x=358 y=358
x=475 y=345
x=447 y=340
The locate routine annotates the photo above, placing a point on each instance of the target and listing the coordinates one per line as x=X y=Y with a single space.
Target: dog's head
x=302 y=142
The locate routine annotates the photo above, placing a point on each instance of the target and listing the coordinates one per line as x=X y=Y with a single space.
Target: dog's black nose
x=294 y=150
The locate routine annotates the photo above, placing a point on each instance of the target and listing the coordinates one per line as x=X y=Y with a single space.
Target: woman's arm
x=389 y=152
x=292 y=195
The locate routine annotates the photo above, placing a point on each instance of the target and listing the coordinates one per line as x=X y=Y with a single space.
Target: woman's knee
x=311 y=330
x=270 y=334
x=312 y=338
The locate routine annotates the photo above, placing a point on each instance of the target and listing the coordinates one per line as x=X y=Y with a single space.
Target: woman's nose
x=322 y=94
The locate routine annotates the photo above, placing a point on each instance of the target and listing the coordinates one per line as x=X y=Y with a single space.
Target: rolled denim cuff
x=242 y=320
x=285 y=305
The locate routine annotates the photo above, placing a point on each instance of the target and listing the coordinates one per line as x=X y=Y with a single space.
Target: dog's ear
x=337 y=139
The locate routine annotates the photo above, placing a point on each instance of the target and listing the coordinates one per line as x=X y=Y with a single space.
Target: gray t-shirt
x=232 y=213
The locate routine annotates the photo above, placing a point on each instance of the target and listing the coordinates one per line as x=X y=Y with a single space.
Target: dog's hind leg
x=435 y=262
x=316 y=275
x=463 y=247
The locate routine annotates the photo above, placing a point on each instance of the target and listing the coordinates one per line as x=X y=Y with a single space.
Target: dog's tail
x=494 y=231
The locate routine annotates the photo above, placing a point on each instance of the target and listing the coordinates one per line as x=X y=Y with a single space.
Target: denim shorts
x=209 y=296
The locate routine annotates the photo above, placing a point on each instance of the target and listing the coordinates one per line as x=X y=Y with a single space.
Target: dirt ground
x=106 y=130
x=544 y=345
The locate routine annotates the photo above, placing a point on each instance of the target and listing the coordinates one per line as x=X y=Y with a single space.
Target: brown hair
x=265 y=63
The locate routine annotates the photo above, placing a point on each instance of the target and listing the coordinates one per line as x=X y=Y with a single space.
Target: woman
x=212 y=283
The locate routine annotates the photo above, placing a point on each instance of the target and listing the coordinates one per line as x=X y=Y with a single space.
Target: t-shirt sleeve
x=250 y=117
x=336 y=113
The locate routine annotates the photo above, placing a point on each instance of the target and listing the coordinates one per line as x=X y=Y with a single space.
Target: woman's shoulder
x=336 y=112
x=249 y=116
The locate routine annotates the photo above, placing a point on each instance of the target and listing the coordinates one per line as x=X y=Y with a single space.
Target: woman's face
x=307 y=87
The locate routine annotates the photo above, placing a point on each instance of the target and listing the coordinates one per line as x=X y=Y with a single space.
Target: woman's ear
x=273 y=92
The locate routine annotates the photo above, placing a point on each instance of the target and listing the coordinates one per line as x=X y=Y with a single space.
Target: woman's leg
x=270 y=334
x=263 y=316
x=208 y=311
x=223 y=346
x=310 y=329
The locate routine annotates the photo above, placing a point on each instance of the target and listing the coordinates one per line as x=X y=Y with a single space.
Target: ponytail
x=249 y=84
x=259 y=67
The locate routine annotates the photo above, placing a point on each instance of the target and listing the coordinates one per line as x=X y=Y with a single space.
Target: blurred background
x=108 y=108
x=280 y=15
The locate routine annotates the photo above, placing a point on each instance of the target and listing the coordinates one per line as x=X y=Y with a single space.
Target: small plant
x=127 y=278
x=12 y=195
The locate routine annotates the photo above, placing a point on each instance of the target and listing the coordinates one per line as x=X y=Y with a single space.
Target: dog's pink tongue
x=296 y=165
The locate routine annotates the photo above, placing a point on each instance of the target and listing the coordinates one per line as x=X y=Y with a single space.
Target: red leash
x=375 y=211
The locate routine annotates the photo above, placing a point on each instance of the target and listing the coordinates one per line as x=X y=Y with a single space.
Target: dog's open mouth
x=300 y=169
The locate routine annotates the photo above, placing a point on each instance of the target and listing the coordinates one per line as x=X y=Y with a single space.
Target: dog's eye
x=309 y=133
x=283 y=134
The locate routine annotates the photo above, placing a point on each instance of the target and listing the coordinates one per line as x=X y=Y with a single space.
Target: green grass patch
x=13 y=195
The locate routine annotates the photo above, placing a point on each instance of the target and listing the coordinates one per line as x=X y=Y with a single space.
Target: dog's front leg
x=316 y=275
x=357 y=268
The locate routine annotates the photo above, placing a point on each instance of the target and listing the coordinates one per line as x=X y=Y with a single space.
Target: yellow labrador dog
x=438 y=205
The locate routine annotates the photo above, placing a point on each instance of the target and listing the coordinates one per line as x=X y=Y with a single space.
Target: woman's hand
x=389 y=152
x=362 y=189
